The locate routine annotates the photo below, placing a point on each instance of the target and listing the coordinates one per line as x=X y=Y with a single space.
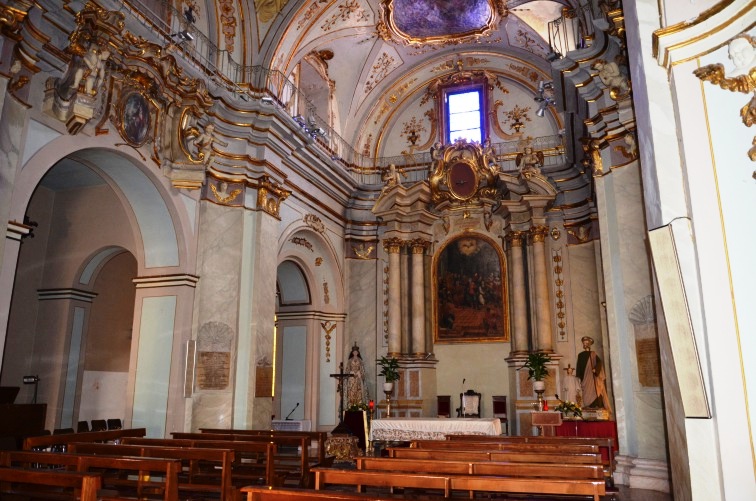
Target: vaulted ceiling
x=366 y=65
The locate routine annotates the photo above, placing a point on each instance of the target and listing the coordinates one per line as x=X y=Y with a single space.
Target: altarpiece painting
x=470 y=294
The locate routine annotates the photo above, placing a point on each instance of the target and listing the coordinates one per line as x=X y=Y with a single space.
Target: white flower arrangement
x=566 y=407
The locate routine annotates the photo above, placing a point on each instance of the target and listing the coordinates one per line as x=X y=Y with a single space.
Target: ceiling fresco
x=384 y=54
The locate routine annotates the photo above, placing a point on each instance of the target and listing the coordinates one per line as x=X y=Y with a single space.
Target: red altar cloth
x=595 y=429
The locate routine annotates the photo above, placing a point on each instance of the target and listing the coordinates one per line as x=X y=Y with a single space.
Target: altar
x=406 y=429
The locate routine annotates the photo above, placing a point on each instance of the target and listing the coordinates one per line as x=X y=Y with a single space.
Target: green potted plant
x=537 y=370
x=389 y=370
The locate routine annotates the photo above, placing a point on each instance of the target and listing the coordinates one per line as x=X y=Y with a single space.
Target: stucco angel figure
x=489 y=156
x=529 y=161
x=88 y=68
x=742 y=53
x=393 y=176
x=610 y=75
x=204 y=143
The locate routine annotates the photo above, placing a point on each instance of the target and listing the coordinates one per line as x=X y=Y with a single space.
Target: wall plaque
x=213 y=368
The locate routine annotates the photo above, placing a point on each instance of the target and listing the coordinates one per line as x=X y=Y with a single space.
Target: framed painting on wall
x=470 y=292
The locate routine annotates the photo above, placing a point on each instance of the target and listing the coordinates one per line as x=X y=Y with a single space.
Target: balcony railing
x=161 y=18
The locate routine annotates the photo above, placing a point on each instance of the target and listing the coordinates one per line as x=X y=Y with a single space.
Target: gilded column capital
x=270 y=195
x=538 y=233
x=393 y=245
x=515 y=238
x=418 y=245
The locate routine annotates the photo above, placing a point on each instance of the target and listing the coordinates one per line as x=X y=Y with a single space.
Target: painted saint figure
x=590 y=370
x=356 y=390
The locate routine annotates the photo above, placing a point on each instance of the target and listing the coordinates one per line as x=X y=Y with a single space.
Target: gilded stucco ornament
x=419 y=23
x=461 y=175
x=742 y=52
x=270 y=195
x=74 y=97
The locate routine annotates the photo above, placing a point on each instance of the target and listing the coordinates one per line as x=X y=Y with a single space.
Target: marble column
x=541 y=283
x=418 y=247
x=393 y=246
x=519 y=300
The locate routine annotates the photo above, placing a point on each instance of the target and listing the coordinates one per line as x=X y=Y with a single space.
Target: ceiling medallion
x=420 y=22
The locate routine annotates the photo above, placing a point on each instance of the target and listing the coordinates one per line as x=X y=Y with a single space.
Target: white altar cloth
x=406 y=429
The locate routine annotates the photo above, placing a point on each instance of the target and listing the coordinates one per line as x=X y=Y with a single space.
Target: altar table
x=406 y=429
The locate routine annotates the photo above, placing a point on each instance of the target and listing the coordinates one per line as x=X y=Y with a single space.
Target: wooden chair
x=500 y=410
x=114 y=424
x=444 y=405
x=82 y=426
x=469 y=404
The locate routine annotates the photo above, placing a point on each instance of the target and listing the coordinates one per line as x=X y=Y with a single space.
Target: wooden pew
x=552 y=470
x=387 y=479
x=292 y=494
x=68 y=484
x=297 y=464
x=315 y=436
x=253 y=461
x=48 y=441
x=196 y=477
x=115 y=471
x=567 y=448
x=501 y=456
x=606 y=445
x=451 y=483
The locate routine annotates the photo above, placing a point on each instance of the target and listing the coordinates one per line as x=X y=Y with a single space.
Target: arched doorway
x=82 y=313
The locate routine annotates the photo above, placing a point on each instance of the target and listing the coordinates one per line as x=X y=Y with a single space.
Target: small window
x=463 y=116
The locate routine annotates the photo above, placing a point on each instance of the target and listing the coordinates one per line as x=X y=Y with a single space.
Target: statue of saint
x=590 y=370
x=356 y=389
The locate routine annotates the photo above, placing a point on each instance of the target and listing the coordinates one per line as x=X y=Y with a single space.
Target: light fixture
x=545 y=97
x=183 y=36
x=267 y=100
x=35 y=381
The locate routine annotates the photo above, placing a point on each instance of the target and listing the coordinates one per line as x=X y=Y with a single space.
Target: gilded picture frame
x=419 y=22
x=470 y=298
x=135 y=118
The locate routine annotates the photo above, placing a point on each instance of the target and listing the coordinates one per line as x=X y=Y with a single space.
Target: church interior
x=226 y=213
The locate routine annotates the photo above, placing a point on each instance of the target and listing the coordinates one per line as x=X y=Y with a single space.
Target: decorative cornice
x=712 y=29
x=17 y=231
x=178 y=280
x=66 y=293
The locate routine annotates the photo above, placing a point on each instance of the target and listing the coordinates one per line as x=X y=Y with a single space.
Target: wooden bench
x=512 y=469
x=293 y=494
x=132 y=474
x=203 y=469
x=295 y=465
x=67 y=484
x=318 y=437
x=450 y=483
x=253 y=461
x=605 y=444
x=46 y=442
x=567 y=448
x=387 y=479
x=500 y=456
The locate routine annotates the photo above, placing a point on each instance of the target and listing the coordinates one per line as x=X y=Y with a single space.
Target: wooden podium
x=546 y=421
